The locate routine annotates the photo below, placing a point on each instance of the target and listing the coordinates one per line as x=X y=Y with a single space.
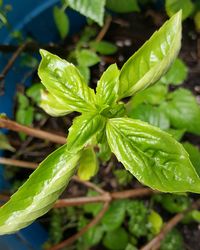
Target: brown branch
x=18 y=163
x=14 y=126
x=154 y=244
x=104 y=30
x=73 y=238
x=12 y=60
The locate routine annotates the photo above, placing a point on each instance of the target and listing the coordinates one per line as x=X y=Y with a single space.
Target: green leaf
x=115 y=215
x=103 y=47
x=87 y=58
x=83 y=128
x=172 y=6
x=5 y=144
x=93 y=9
x=93 y=208
x=172 y=241
x=155 y=222
x=130 y=247
x=62 y=21
x=183 y=110
x=197 y=21
x=88 y=164
x=85 y=72
x=107 y=87
x=122 y=6
x=22 y=100
x=150 y=114
x=116 y=240
x=153 y=95
x=39 y=192
x=191 y=216
x=34 y=92
x=64 y=81
x=152 y=156
x=177 y=73
x=152 y=60
x=176 y=133
x=123 y=177
x=194 y=154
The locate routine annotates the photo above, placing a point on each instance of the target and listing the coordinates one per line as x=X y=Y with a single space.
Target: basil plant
x=151 y=155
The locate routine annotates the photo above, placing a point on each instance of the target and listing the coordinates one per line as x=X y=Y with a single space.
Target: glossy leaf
x=53 y=105
x=107 y=87
x=63 y=80
x=122 y=6
x=172 y=6
x=152 y=60
x=39 y=192
x=82 y=130
x=194 y=154
x=87 y=58
x=152 y=156
x=62 y=21
x=183 y=110
x=93 y=9
x=88 y=164
x=150 y=114
x=177 y=73
x=103 y=47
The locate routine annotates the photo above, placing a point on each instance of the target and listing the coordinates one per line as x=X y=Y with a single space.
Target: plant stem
x=76 y=236
x=17 y=163
x=14 y=126
x=156 y=241
x=104 y=30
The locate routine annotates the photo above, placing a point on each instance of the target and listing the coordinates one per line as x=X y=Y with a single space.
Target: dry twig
x=104 y=30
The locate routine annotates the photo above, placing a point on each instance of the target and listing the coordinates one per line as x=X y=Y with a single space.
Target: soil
x=128 y=32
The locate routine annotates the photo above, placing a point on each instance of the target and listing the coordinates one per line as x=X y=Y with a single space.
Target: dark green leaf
x=116 y=240
x=152 y=156
x=93 y=208
x=87 y=58
x=115 y=215
x=88 y=164
x=103 y=47
x=93 y=9
x=172 y=241
x=39 y=192
x=172 y=6
x=63 y=81
x=123 y=177
x=152 y=60
x=62 y=21
x=183 y=111
x=120 y=6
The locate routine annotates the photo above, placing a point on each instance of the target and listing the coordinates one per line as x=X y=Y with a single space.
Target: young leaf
x=53 y=105
x=4 y=143
x=85 y=72
x=120 y=6
x=34 y=92
x=82 y=130
x=183 y=110
x=172 y=6
x=152 y=60
x=116 y=240
x=62 y=79
x=155 y=222
x=88 y=164
x=87 y=58
x=104 y=47
x=107 y=87
x=93 y=9
x=39 y=192
x=152 y=156
x=62 y=21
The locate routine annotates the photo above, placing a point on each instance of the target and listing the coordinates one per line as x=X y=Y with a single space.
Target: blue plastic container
x=34 y=18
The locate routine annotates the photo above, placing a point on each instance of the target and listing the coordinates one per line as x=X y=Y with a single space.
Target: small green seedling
x=150 y=154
